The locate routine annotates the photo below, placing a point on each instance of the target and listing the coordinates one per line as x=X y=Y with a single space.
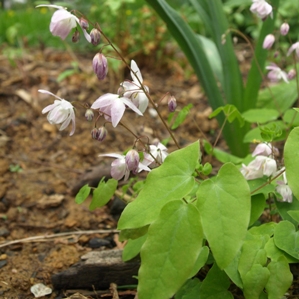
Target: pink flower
x=276 y=74
x=100 y=66
x=284 y=190
x=261 y=8
x=156 y=156
x=119 y=167
x=259 y=167
x=63 y=22
x=61 y=112
x=133 y=90
x=113 y=106
x=268 y=41
x=284 y=29
x=265 y=149
x=294 y=47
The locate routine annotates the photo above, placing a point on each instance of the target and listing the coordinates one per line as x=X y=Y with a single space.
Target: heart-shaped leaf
x=286 y=238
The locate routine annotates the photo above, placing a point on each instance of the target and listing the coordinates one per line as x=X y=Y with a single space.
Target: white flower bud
x=284 y=29
x=100 y=66
x=268 y=41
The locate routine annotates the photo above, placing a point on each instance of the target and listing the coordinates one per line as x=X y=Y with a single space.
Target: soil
x=42 y=167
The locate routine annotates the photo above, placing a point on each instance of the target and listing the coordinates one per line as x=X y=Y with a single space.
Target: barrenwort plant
x=182 y=219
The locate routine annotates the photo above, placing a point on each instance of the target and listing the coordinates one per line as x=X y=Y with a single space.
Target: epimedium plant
x=183 y=219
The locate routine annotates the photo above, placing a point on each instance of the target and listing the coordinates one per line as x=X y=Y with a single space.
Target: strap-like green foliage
x=172 y=247
x=224 y=205
x=291 y=160
x=172 y=180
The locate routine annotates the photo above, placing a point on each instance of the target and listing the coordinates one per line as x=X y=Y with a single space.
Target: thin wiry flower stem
x=142 y=86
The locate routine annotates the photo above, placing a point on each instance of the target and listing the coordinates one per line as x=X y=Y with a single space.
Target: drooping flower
x=261 y=8
x=259 y=167
x=268 y=41
x=95 y=36
x=132 y=160
x=276 y=74
x=62 y=22
x=119 y=167
x=284 y=189
x=61 y=112
x=100 y=66
x=156 y=155
x=265 y=149
x=133 y=89
x=294 y=47
x=113 y=106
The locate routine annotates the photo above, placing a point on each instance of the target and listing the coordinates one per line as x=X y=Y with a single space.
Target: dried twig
x=49 y=237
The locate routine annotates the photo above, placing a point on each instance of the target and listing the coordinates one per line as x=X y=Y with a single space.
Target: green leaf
x=256 y=186
x=133 y=233
x=291 y=116
x=172 y=180
x=294 y=215
x=255 y=281
x=225 y=157
x=230 y=112
x=291 y=160
x=224 y=202
x=286 y=238
x=82 y=194
x=264 y=229
x=181 y=116
x=258 y=204
x=170 y=251
x=274 y=130
x=285 y=96
x=201 y=260
x=252 y=253
x=284 y=209
x=280 y=278
x=232 y=271
x=103 y=193
x=133 y=248
x=215 y=285
x=260 y=115
x=274 y=253
x=189 y=290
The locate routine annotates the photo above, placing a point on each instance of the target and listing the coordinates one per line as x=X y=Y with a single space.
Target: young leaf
x=230 y=112
x=274 y=253
x=258 y=204
x=291 y=160
x=82 y=194
x=181 y=116
x=172 y=180
x=133 y=233
x=284 y=209
x=255 y=281
x=132 y=248
x=170 y=251
x=286 y=238
x=189 y=290
x=103 y=193
x=215 y=285
x=260 y=115
x=224 y=203
x=280 y=278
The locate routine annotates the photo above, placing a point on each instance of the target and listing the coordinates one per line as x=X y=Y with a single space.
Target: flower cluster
x=132 y=94
x=264 y=164
x=262 y=9
x=124 y=164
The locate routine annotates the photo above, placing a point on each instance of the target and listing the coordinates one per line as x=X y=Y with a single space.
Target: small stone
x=3 y=263
x=4 y=232
x=98 y=242
x=40 y=290
x=3 y=256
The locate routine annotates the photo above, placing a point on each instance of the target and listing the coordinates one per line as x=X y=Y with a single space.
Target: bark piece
x=97 y=269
